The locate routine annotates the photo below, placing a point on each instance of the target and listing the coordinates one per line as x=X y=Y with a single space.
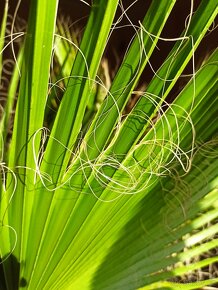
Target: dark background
x=78 y=12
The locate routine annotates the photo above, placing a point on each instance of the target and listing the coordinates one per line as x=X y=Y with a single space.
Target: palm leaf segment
x=113 y=202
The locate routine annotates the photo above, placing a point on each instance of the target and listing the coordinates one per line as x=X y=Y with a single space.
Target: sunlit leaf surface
x=95 y=193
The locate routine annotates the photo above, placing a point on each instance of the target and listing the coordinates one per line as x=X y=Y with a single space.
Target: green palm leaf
x=104 y=200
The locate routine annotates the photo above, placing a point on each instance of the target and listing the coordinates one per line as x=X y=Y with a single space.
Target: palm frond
x=93 y=197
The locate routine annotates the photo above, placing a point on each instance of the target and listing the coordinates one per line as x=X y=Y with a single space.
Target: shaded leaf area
x=11 y=262
x=154 y=239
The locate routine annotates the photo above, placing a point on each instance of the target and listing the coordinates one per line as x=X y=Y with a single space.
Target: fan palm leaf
x=101 y=199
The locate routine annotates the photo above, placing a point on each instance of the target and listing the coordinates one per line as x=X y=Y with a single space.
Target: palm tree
x=93 y=197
